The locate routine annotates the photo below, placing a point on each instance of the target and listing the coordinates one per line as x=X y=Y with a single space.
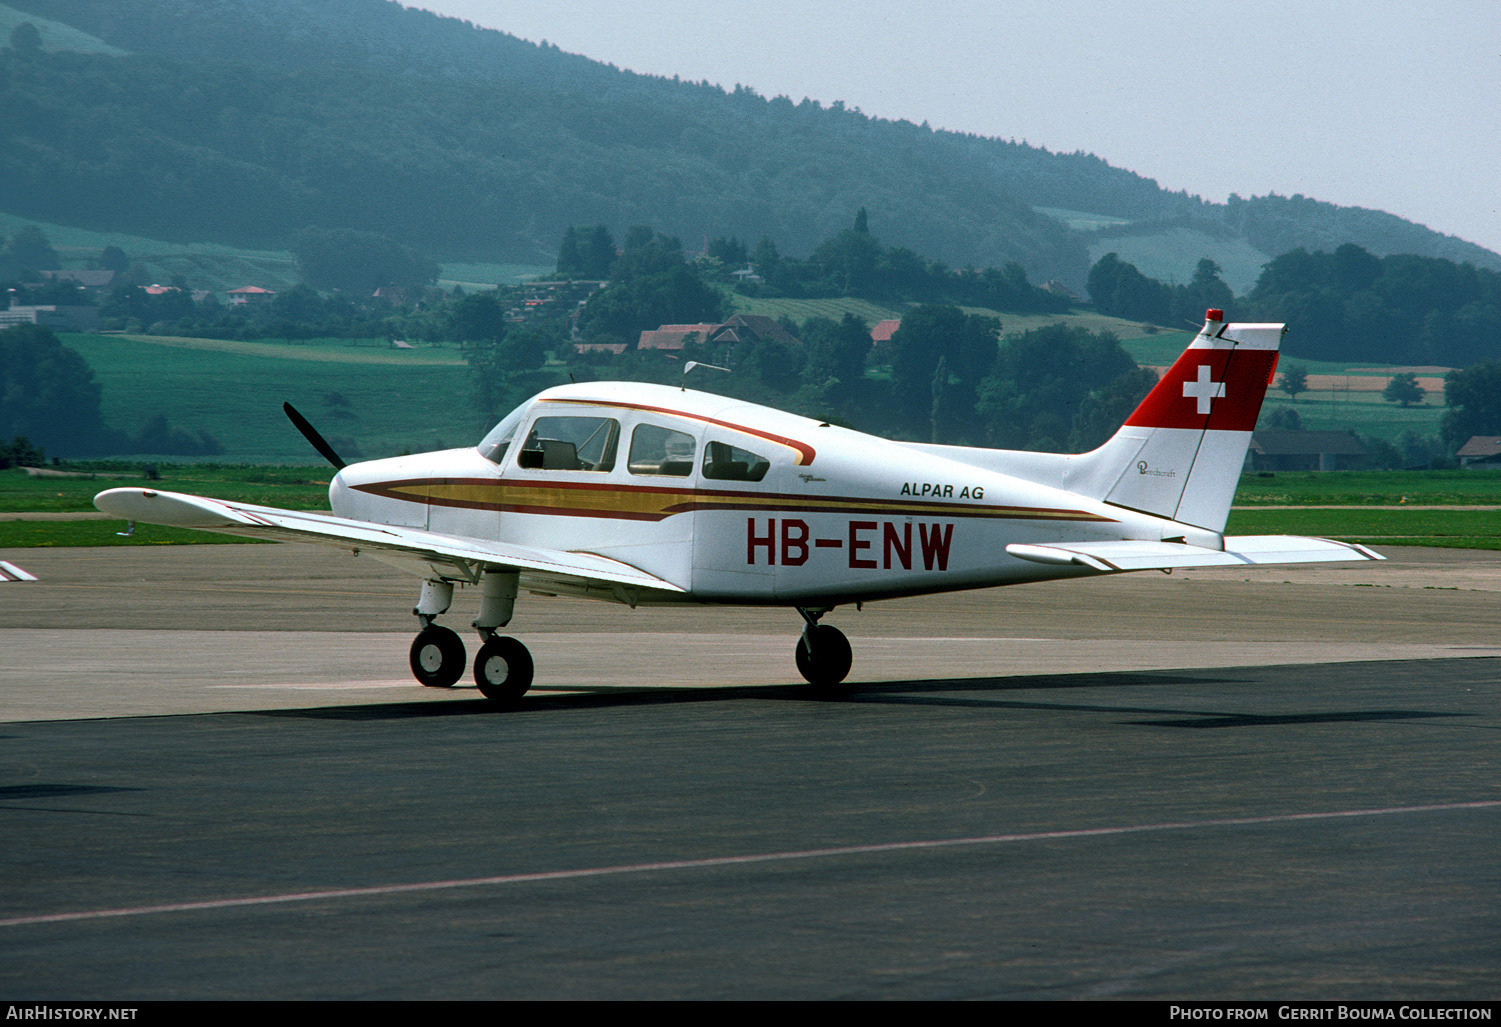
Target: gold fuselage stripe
x=655 y=503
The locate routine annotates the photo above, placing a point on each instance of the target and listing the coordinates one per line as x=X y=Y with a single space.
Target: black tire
x=830 y=659
x=438 y=657
x=503 y=669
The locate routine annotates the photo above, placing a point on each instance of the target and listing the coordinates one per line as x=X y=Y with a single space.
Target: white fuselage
x=835 y=517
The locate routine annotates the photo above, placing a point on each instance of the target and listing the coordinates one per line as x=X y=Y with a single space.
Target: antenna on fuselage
x=690 y=365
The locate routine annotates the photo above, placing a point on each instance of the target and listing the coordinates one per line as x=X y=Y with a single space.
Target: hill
x=241 y=121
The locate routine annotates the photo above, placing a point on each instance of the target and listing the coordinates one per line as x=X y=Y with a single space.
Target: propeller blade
x=311 y=434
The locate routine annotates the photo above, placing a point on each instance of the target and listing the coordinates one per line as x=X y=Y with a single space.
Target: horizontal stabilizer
x=1240 y=551
x=10 y=572
x=467 y=555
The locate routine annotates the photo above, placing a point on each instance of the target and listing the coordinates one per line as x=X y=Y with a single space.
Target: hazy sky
x=1375 y=103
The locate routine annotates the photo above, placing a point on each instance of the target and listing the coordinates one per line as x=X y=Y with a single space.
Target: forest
x=245 y=121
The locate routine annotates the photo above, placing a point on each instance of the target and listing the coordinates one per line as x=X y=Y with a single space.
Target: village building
x=1303 y=451
x=63 y=317
x=250 y=294
x=740 y=328
x=1482 y=452
x=884 y=330
x=88 y=278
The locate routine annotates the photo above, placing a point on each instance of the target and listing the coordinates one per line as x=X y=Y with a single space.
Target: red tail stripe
x=1230 y=383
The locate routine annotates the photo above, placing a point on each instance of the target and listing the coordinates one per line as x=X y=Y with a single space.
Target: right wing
x=573 y=573
x=1239 y=551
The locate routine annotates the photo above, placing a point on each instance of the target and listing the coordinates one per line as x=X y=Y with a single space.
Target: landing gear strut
x=823 y=653
x=503 y=666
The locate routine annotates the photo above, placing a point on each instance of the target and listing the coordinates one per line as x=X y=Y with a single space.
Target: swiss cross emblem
x=1203 y=390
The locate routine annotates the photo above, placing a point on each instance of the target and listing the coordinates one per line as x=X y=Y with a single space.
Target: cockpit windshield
x=494 y=445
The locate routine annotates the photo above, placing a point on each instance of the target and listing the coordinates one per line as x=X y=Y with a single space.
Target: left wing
x=468 y=556
x=1240 y=550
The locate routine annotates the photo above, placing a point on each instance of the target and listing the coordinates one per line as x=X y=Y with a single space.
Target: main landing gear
x=823 y=653
x=503 y=666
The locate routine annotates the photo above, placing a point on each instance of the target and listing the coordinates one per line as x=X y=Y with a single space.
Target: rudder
x=1187 y=440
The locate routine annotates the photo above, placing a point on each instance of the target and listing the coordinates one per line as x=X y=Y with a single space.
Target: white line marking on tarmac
x=325 y=685
x=724 y=861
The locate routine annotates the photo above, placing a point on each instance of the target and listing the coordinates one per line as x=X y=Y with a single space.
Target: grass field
x=1371 y=488
x=801 y=310
x=1465 y=529
x=295 y=488
x=834 y=309
x=55 y=534
x=399 y=400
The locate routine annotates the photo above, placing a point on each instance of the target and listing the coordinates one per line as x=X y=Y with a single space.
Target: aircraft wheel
x=438 y=657
x=503 y=669
x=830 y=659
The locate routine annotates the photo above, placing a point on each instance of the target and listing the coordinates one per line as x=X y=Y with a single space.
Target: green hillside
x=242 y=121
x=398 y=400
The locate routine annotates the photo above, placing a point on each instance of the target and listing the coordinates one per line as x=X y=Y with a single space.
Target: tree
x=638 y=303
x=1293 y=380
x=966 y=346
x=19 y=452
x=1037 y=393
x=1473 y=396
x=1119 y=289
x=477 y=317
x=114 y=259
x=1404 y=389
x=1104 y=410
x=30 y=249
x=25 y=38
x=48 y=394
x=569 y=263
x=358 y=263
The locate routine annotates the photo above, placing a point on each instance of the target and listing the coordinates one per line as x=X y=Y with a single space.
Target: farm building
x=1481 y=452
x=1304 y=451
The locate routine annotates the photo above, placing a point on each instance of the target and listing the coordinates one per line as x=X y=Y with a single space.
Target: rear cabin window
x=657 y=450
x=723 y=462
x=571 y=444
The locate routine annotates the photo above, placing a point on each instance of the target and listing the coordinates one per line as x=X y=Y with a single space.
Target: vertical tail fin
x=1180 y=454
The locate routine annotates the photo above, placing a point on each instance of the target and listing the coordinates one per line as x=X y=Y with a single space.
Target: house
x=1481 y=452
x=740 y=328
x=250 y=294
x=89 y=279
x=1303 y=451
x=673 y=336
x=753 y=328
x=883 y=330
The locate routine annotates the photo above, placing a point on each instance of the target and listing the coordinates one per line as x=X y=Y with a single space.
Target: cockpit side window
x=724 y=462
x=658 y=450
x=493 y=446
x=571 y=444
